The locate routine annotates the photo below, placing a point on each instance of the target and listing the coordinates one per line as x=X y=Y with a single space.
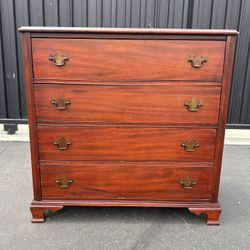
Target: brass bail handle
x=58 y=59
x=64 y=181
x=188 y=183
x=193 y=105
x=197 y=61
x=62 y=143
x=60 y=104
x=190 y=145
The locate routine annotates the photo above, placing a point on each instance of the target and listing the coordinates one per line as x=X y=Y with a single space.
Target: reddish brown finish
x=125 y=83
x=127 y=104
x=125 y=144
x=128 y=181
x=38 y=212
x=127 y=203
x=181 y=164
x=227 y=75
x=27 y=60
x=213 y=214
x=127 y=60
x=127 y=31
x=127 y=124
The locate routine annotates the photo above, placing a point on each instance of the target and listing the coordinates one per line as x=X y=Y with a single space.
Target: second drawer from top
x=149 y=104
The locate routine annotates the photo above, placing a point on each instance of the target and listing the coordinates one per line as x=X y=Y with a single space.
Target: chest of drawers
x=127 y=117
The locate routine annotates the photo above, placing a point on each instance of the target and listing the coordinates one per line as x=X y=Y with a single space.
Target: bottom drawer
x=160 y=181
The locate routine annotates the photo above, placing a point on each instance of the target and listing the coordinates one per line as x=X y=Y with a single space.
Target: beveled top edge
x=41 y=29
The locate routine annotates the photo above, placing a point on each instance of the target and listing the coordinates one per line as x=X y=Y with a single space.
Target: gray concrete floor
x=122 y=228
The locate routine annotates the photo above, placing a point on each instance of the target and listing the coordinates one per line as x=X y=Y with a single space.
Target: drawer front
x=171 y=104
x=128 y=181
x=127 y=60
x=125 y=143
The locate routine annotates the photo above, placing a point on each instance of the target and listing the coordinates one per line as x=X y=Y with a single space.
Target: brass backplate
x=197 y=61
x=188 y=182
x=64 y=181
x=193 y=105
x=190 y=145
x=58 y=59
x=62 y=143
x=60 y=104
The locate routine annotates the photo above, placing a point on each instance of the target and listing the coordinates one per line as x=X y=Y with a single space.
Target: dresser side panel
x=28 y=74
x=227 y=77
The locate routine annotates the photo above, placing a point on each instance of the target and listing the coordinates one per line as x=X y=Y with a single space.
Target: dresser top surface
x=39 y=29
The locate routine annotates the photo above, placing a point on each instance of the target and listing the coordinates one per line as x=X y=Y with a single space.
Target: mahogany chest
x=127 y=117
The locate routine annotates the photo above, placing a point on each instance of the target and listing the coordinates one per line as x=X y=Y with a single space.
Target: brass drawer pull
x=60 y=104
x=188 y=183
x=190 y=145
x=193 y=105
x=58 y=59
x=197 y=61
x=62 y=143
x=64 y=182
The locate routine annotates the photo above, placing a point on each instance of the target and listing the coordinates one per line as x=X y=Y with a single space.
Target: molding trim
x=238 y=126
x=232 y=136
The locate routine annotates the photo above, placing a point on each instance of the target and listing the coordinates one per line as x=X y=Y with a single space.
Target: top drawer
x=127 y=60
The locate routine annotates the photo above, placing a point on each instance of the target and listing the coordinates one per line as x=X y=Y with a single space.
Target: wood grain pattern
x=38 y=212
x=213 y=214
x=132 y=36
x=117 y=164
x=125 y=144
x=126 y=182
x=127 y=60
x=127 y=104
x=227 y=76
x=187 y=203
x=127 y=121
x=125 y=83
x=27 y=60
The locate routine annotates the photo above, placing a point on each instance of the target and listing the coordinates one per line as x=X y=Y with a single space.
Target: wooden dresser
x=127 y=117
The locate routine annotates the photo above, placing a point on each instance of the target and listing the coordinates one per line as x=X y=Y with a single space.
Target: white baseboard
x=21 y=135
x=233 y=136
x=237 y=137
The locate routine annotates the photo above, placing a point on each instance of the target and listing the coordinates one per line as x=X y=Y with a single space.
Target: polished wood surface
x=127 y=60
x=38 y=212
x=229 y=60
x=212 y=214
x=108 y=124
x=125 y=144
x=127 y=104
x=127 y=31
x=30 y=101
x=212 y=210
x=126 y=182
